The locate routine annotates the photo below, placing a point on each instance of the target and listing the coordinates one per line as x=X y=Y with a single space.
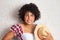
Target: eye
x=26 y=14
x=32 y=15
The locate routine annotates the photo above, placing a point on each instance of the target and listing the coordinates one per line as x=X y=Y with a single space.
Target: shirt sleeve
x=14 y=29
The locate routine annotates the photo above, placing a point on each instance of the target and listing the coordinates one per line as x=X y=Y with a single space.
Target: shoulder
x=16 y=25
x=16 y=28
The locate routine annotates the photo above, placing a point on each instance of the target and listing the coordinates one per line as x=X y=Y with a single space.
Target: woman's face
x=29 y=17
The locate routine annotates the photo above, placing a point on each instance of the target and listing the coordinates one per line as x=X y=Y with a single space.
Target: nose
x=29 y=17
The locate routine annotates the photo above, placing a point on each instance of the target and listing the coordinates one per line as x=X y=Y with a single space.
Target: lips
x=28 y=21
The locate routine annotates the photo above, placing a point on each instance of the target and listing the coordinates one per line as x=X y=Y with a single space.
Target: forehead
x=28 y=12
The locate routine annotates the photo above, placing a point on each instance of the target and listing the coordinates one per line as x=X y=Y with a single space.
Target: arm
x=8 y=36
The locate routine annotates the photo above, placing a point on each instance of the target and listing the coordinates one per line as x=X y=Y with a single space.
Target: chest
x=28 y=29
x=28 y=36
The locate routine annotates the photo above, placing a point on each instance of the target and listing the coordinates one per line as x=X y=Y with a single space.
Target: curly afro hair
x=31 y=8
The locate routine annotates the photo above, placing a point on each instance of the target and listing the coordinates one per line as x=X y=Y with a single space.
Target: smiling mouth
x=28 y=21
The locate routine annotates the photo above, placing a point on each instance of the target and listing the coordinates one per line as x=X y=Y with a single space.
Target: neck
x=28 y=24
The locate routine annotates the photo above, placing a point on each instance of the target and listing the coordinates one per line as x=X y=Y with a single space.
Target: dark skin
x=10 y=34
x=28 y=27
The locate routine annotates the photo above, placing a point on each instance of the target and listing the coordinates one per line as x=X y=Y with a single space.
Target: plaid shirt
x=17 y=30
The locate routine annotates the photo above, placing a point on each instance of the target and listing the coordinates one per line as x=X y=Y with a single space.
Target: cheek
x=25 y=18
x=32 y=18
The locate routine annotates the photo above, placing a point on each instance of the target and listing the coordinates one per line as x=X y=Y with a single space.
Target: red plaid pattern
x=17 y=30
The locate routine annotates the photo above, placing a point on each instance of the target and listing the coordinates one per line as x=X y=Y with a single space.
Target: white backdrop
x=50 y=13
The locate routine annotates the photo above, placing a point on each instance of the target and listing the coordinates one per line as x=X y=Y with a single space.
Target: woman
x=27 y=30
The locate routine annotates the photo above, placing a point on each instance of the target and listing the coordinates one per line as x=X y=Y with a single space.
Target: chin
x=29 y=23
